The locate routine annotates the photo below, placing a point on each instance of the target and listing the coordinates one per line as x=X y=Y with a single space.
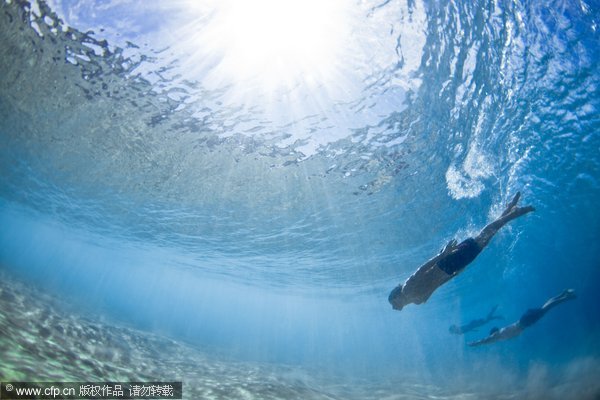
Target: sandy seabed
x=45 y=339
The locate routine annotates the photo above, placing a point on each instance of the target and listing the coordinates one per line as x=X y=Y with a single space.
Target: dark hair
x=395 y=293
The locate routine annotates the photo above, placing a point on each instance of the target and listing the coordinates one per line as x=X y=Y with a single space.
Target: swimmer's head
x=396 y=299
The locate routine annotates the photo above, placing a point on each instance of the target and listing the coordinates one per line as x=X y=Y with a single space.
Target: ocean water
x=224 y=193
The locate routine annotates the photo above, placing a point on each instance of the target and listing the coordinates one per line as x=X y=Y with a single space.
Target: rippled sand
x=40 y=341
x=43 y=338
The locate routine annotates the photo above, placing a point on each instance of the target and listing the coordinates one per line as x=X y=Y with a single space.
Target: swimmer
x=476 y=323
x=451 y=261
x=530 y=317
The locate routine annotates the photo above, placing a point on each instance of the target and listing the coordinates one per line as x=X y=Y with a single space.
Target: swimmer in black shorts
x=530 y=317
x=451 y=261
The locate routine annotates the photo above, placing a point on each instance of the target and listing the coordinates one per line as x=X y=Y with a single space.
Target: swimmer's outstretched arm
x=490 y=339
x=508 y=332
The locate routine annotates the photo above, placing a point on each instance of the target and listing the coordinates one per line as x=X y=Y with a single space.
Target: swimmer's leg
x=533 y=315
x=567 y=294
x=511 y=212
x=491 y=315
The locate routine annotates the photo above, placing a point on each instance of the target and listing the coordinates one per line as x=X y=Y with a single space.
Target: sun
x=272 y=43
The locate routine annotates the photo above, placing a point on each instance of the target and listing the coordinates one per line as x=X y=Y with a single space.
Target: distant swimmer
x=476 y=323
x=530 y=317
x=451 y=261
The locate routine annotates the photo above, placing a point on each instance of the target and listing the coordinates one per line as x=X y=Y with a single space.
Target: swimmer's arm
x=471 y=326
x=448 y=249
x=489 y=339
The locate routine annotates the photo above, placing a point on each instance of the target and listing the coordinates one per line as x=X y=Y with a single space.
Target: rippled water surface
x=253 y=178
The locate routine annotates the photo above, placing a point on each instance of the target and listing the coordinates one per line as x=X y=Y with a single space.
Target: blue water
x=267 y=222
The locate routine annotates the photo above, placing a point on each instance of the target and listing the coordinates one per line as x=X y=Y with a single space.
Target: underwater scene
x=302 y=199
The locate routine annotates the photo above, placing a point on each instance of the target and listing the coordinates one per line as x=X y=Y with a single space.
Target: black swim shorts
x=530 y=317
x=464 y=253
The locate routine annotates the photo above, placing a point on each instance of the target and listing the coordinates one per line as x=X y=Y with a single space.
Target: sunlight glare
x=276 y=43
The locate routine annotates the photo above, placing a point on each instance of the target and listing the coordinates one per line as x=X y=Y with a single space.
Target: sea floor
x=43 y=338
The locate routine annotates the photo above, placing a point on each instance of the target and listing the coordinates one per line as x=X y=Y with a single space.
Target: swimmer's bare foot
x=512 y=204
x=568 y=294
x=519 y=211
x=513 y=211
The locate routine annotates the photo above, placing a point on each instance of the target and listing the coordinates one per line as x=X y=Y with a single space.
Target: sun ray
x=269 y=44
